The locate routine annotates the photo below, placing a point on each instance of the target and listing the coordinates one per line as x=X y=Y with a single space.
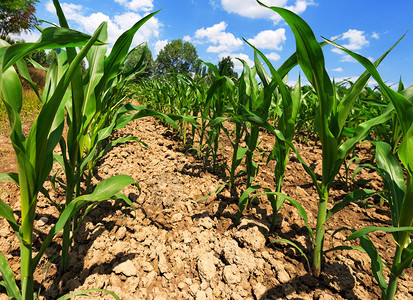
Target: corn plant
x=290 y=103
x=218 y=95
x=98 y=105
x=34 y=153
x=286 y=106
x=399 y=181
x=329 y=121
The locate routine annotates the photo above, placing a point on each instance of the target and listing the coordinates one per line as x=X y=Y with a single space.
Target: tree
x=179 y=56
x=226 y=67
x=39 y=56
x=136 y=55
x=50 y=57
x=16 y=16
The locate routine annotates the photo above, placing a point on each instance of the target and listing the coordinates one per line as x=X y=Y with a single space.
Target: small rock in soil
x=233 y=254
x=126 y=268
x=193 y=289
x=206 y=222
x=231 y=274
x=162 y=264
x=42 y=221
x=201 y=295
x=259 y=290
x=206 y=266
x=250 y=234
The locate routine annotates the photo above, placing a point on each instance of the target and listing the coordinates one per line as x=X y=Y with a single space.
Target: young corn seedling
x=95 y=107
x=330 y=120
x=218 y=95
x=34 y=153
x=399 y=182
x=287 y=105
x=290 y=103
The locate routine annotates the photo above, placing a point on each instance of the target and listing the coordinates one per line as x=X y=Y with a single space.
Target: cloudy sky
x=216 y=28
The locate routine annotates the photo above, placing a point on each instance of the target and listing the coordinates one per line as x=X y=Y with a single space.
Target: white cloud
x=375 y=35
x=116 y=24
x=27 y=36
x=222 y=41
x=186 y=38
x=269 y=39
x=137 y=5
x=345 y=57
x=251 y=9
x=356 y=39
x=159 y=45
x=338 y=70
x=273 y=56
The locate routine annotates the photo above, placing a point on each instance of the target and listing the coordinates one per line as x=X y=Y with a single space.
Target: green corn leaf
x=51 y=38
x=408 y=93
x=88 y=293
x=218 y=120
x=214 y=69
x=12 y=95
x=403 y=106
x=13 y=177
x=301 y=211
x=343 y=247
x=60 y=160
x=120 y=51
x=350 y=198
x=40 y=151
x=76 y=102
x=405 y=150
x=107 y=188
x=56 y=71
x=243 y=201
x=370 y=229
x=311 y=59
x=406 y=260
x=216 y=192
x=23 y=71
x=291 y=62
x=95 y=58
x=125 y=199
x=124 y=120
x=360 y=133
x=376 y=262
x=7 y=213
x=140 y=64
x=103 y=191
x=8 y=279
x=265 y=79
x=241 y=153
x=393 y=176
x=346 y=104
x=296 y=247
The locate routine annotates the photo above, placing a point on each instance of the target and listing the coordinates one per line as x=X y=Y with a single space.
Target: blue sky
x=216 y=28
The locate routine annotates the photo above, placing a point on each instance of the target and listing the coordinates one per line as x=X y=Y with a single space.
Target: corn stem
x=320 y=231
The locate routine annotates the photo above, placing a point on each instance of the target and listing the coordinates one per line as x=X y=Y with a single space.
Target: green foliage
x=85 y=99
x=50 y=57
x=135 y=56
x=16 y=16
x=39 y=56
x=178 y=56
